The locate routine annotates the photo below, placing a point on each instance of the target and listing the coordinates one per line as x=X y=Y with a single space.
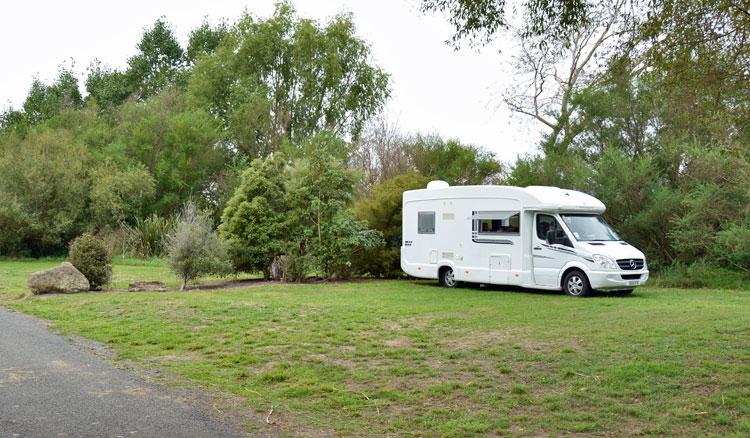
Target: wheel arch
x=442 y=266
x=445 y=263
x=571 y=266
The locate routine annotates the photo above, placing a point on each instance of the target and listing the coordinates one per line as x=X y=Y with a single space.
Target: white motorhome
x=535 y=237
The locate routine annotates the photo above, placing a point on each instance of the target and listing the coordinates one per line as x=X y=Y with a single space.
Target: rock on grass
x=61 y=279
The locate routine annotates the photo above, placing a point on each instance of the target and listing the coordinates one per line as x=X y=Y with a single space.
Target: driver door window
x=549 y=230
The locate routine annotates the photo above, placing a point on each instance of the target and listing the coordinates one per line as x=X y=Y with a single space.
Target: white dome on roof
x=437 y=184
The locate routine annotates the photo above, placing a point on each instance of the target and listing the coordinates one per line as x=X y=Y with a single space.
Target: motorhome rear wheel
x=447 y=278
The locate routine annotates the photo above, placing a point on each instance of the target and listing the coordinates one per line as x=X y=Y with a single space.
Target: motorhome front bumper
x=617 y=280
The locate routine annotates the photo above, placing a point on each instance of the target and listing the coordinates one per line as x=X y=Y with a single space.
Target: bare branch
x=547 y=96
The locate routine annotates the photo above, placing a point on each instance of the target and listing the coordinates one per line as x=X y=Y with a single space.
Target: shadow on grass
x=518 y=289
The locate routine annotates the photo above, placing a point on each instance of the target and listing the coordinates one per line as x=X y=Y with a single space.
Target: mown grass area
x=14 y=273
x=410 y=358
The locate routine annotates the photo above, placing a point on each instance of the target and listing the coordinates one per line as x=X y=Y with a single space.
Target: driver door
x=549 y=257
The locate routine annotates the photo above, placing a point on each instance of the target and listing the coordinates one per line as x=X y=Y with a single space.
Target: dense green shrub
x=44 y=177
x=15 y=225
x=324 y=233
x=194 y=248
x=253 y=222
x=733 y=246
x=382 y=212
x=300 y=215
x=90 y=256
x=119 y=193
x=700 y=275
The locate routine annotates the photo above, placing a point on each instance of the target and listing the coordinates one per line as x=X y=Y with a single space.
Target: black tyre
x=576 y=284
x=447 y=278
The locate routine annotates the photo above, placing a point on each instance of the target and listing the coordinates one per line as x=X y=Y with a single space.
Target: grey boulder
x=62 y=279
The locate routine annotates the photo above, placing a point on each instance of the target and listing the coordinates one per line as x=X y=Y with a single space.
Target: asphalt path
x=52 y=388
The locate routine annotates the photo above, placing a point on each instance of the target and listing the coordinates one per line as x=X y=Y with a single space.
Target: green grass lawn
x=409 y=358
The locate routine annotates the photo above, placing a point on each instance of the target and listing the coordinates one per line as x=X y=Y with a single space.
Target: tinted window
x=497 y=222
x=426 y=222
x=546 y=223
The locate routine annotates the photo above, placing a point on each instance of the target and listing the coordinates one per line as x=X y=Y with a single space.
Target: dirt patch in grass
x=398 y=342
x=328 y=360
x=174 y=358
x=483 y=339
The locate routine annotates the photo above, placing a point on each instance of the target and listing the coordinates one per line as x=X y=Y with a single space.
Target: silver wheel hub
x=449 y=279
x=575 y=285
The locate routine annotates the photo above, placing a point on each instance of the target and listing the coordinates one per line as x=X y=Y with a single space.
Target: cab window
x=549 y=230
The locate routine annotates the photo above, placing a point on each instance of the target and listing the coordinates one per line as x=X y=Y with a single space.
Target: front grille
x=628 y=266
x=630 y=276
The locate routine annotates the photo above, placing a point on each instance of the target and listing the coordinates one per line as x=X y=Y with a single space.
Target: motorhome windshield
x=589 y=227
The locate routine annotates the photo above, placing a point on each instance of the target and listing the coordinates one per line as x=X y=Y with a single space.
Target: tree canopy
x=480 y=20
x=286 y=79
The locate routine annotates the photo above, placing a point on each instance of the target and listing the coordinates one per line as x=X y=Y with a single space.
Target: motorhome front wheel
x=576 y=284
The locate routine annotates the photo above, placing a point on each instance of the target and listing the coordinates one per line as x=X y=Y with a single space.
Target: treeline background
x=646 y=105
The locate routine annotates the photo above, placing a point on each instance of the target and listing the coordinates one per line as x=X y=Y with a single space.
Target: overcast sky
x=434 y=87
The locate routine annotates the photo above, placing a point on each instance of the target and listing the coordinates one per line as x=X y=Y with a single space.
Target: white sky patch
x=434 y=87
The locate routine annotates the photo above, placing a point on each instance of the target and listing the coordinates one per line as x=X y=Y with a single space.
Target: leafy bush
x=194 y=247
x=15 y=226
x=44 y=176
x=90 y=256
x=324 y=233
x=253 y=222
x=118 y=192
x=700 y=275
x=291 y=267
x=382 y=212
x=733 y=246
x=298 y=215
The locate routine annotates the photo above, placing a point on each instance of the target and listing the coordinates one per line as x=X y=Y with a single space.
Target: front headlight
x=605 y=262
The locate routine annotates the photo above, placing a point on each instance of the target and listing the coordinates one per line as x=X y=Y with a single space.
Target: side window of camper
x=497 y=222
x=426 y=222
